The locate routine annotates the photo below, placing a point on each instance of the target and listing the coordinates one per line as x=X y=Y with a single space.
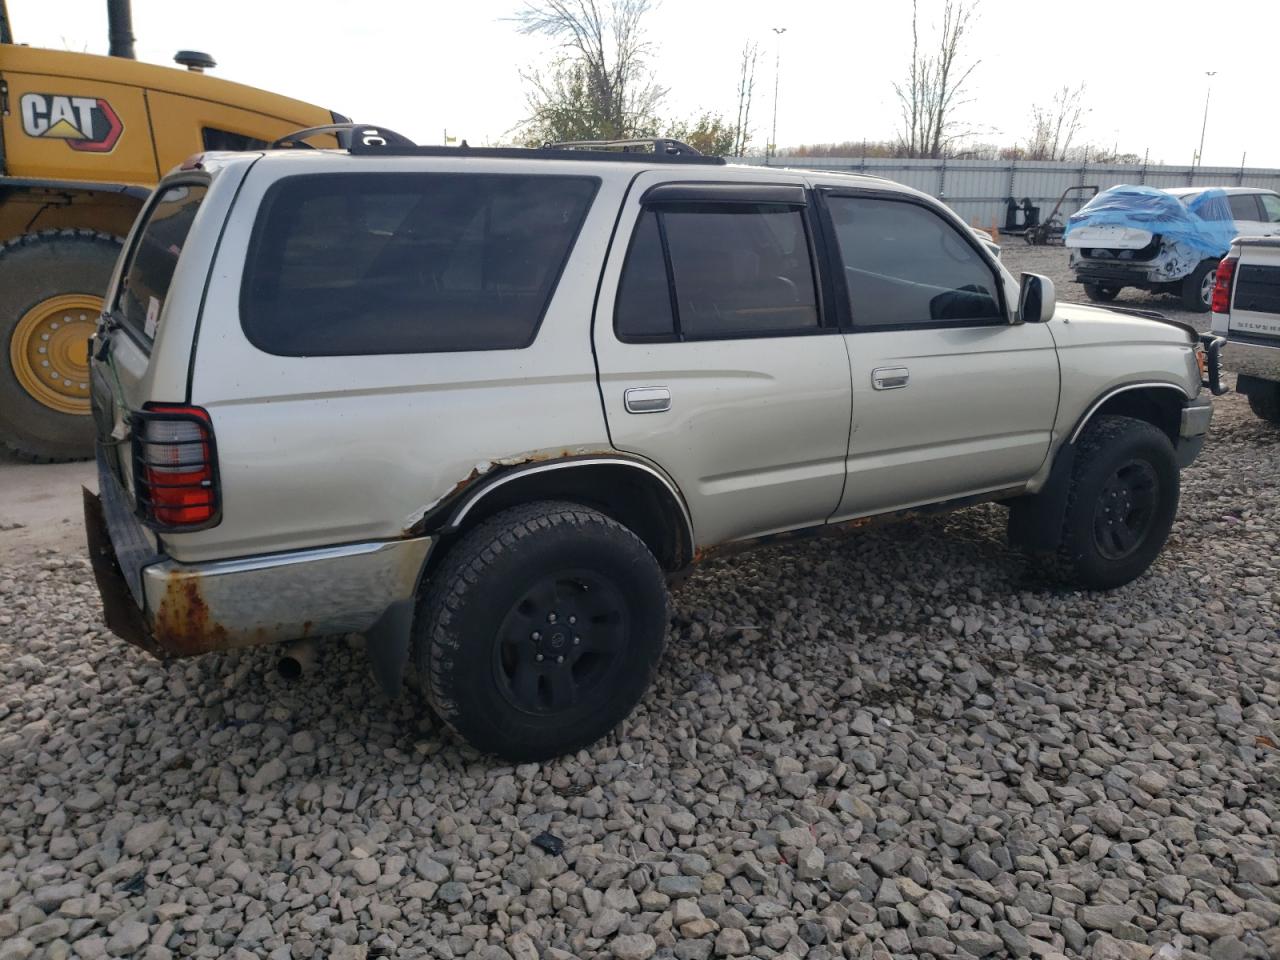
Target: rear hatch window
x=349 y=264
x=150 y=272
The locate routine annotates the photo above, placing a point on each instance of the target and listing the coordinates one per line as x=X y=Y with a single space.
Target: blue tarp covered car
x=1137 y=236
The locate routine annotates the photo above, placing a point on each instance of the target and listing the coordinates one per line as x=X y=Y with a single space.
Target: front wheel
x=541 y=631
x=1099 y=293
x=1197 y=289
x=1121 y=502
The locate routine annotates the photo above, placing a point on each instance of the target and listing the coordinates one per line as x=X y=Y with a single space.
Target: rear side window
x=1270 y=206
x=350 y=264
x=146 y=282
x=717 y=271
x=906 y=266
x=1244 y=206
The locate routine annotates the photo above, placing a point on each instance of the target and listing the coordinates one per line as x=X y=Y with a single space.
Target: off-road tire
x=479 y=587
x=1191 y=291
x=1099 y=293
x=1265 y=403
x=1106 y=445
x=33 y=268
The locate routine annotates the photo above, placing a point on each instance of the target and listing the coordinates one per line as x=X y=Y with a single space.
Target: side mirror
x=1036 y=301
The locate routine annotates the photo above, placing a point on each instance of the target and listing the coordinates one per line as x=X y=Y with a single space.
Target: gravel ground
x=898 y=744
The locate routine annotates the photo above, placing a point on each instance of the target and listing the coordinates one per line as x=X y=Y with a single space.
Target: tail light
x=175 y=467
x=1222 y=285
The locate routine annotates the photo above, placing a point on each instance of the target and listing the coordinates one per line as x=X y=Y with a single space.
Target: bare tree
x=746 y=90
x=606 y=59
x=934 y=85
x=1056 y=125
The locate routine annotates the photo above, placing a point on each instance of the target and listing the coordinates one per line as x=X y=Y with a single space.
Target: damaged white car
x=1164 y=241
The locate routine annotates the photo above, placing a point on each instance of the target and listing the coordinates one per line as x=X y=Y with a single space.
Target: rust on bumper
x=190 y=609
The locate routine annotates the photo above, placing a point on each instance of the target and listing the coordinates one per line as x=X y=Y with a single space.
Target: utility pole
x=1203 y=126
x=777 y=64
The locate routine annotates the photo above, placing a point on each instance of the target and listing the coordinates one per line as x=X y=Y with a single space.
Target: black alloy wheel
x=1125 y=509
x=561 y=644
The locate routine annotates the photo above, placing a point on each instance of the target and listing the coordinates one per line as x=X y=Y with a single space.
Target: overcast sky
x=423 y=67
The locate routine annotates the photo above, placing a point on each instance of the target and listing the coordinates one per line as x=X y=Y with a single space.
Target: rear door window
x=1244 y=206
x=146 y=281
x=718 y=271
x=351 y=264
x=1271 y=207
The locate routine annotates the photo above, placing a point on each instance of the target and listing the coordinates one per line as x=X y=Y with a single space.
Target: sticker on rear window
x=153 y=317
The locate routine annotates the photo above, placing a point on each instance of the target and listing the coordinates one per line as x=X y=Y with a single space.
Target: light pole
x=777 y=64
x=1203 y=126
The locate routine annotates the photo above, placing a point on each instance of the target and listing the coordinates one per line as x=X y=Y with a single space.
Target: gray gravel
x=899 y=744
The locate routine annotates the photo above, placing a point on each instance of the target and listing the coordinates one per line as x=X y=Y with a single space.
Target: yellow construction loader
x=83 y=140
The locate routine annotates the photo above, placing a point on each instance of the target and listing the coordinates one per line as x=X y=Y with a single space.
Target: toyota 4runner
x=481 y=404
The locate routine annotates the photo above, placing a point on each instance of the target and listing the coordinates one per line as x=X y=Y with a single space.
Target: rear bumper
x=1117 y=274
x=188 y=609
x=1253 y=358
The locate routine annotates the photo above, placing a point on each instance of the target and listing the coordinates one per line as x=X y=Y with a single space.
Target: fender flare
x=1116 y=391
x=473 y=495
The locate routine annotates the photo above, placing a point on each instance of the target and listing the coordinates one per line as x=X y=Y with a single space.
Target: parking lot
x=897 y=744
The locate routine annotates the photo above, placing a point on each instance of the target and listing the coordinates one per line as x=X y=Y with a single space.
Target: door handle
x=647 y=399
x=890 y=378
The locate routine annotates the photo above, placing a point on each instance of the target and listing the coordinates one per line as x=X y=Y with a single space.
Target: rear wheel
x=51 y=287
x=1101 y=294
x=1121 y=502
x=1266 y=402
x=1197 y=289
x=541 y=630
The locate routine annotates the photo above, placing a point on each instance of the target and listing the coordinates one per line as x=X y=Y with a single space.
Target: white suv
x=480 y=404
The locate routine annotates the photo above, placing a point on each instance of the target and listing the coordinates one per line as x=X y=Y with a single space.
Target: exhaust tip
x=296 y=659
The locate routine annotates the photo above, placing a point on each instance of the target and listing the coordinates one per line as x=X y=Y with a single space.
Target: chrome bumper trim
x=1196 y=415
x=198 y=607
x=1253 y=359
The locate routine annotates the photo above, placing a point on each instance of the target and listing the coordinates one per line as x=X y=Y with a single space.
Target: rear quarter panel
x=325 y=450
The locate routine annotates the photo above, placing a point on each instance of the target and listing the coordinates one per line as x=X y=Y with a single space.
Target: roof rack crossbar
x=659 y=145
x=348 y=134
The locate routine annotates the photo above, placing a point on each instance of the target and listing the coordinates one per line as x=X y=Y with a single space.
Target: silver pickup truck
x=1246 y=310
x=480 y=404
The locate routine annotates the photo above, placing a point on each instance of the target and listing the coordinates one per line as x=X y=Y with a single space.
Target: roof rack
x=659 y=145
x=366 y=140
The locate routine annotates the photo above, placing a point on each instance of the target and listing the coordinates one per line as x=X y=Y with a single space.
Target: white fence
x=978 y=190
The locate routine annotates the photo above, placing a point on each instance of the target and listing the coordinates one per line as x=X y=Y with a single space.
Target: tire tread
x=436 y=644
x=23 y=242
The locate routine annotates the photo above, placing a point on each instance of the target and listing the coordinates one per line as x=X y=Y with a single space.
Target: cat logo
x=85 y=123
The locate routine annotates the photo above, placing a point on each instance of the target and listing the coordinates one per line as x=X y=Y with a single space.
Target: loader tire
x=51 y=288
